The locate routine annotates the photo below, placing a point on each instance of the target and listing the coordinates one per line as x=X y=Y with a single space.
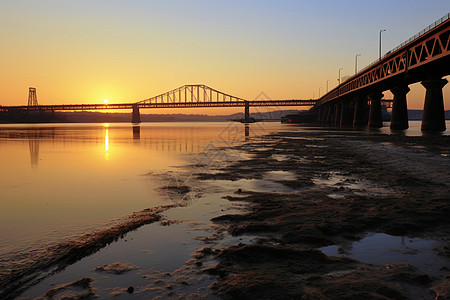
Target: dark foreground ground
x=348 y=185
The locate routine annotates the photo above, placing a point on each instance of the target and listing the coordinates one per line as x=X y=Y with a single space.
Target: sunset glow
x=76 y=51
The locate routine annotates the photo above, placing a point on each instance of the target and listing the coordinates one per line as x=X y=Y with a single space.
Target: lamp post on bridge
x=327 y=85
x=381 y=30
x=356 y=63
x=339 y=79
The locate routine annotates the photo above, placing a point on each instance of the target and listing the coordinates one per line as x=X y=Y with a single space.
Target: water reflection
x=247 y=132
x=79 y=187
x=34 y=152
x=136 y=132
x=106 y=142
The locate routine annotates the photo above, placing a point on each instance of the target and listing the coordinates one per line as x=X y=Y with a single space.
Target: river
x=59 y=182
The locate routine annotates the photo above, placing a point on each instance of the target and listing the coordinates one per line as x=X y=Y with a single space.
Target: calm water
x=61 y=181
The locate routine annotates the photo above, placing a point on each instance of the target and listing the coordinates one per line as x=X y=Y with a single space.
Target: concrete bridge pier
x=347 y=113
x=337 y=114
x=359 y=116
x=319 y=115
x=399 y=115
x=247 y=112
x=330 y=115
x=324 y=114
x=433 y=118
x=136 y=116
x=375 y=120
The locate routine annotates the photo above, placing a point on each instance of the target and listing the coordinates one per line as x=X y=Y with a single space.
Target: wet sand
x=286 y=221
x=348 y=187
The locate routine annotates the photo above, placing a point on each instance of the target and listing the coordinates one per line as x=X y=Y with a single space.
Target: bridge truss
x=195 y=93
x=428 y=50
x=186 y=96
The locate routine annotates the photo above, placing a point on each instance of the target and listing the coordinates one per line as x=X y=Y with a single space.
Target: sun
x=105 y=101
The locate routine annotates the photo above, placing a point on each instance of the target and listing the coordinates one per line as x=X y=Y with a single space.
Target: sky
x=86 y=51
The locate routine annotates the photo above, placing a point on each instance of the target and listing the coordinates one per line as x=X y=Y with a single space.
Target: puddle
x=380 y=249
x=242 y=155
x=281 y=157
x=302 y=138
x=262 y=149
x=358 y=187
x=336 y=196
x=280 y=175
x=252 y=185
x=316 y=146
x=303 y=160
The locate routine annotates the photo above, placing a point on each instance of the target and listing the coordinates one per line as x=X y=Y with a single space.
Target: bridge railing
x=416 y=36
x=335 y=92
x=422 y=32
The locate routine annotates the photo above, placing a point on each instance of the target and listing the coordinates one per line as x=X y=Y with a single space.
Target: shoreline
x=291 y=195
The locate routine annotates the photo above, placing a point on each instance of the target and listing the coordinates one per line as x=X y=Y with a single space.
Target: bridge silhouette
x=423 y=58
x=186 y=96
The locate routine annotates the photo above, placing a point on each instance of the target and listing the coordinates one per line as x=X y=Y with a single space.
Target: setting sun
x=105 y=101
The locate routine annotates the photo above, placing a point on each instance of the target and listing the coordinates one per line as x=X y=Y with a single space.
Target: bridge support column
x=136 y=116
x=324 y=114
x=399 y=116
x=330 y=111
x=346 y=114
x=433 y=118
x=337 y=114
x=375 y=120
x=359 y=117
x=247 y=112
x=319 y=115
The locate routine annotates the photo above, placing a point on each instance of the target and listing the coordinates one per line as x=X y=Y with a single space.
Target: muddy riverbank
x=305 y=214
x=343 y=188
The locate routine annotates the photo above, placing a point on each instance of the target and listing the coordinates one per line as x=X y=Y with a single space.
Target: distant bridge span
x=187 y=96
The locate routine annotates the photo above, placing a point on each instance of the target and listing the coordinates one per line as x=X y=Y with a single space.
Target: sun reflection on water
x=106 y=141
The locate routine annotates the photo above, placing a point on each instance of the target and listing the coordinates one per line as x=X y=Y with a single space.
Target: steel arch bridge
x=193 y=95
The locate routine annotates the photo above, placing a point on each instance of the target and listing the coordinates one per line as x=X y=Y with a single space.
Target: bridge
x=423 y=58
x=187 y=96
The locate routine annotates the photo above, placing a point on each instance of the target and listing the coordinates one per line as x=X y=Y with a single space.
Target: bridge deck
x=73 y=107
x=427 y=54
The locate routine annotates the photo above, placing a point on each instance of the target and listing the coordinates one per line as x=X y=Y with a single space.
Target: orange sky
x=125 y=51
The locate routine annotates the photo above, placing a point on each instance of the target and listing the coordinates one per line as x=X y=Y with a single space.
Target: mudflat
x=341 y=187
x=315 y=214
